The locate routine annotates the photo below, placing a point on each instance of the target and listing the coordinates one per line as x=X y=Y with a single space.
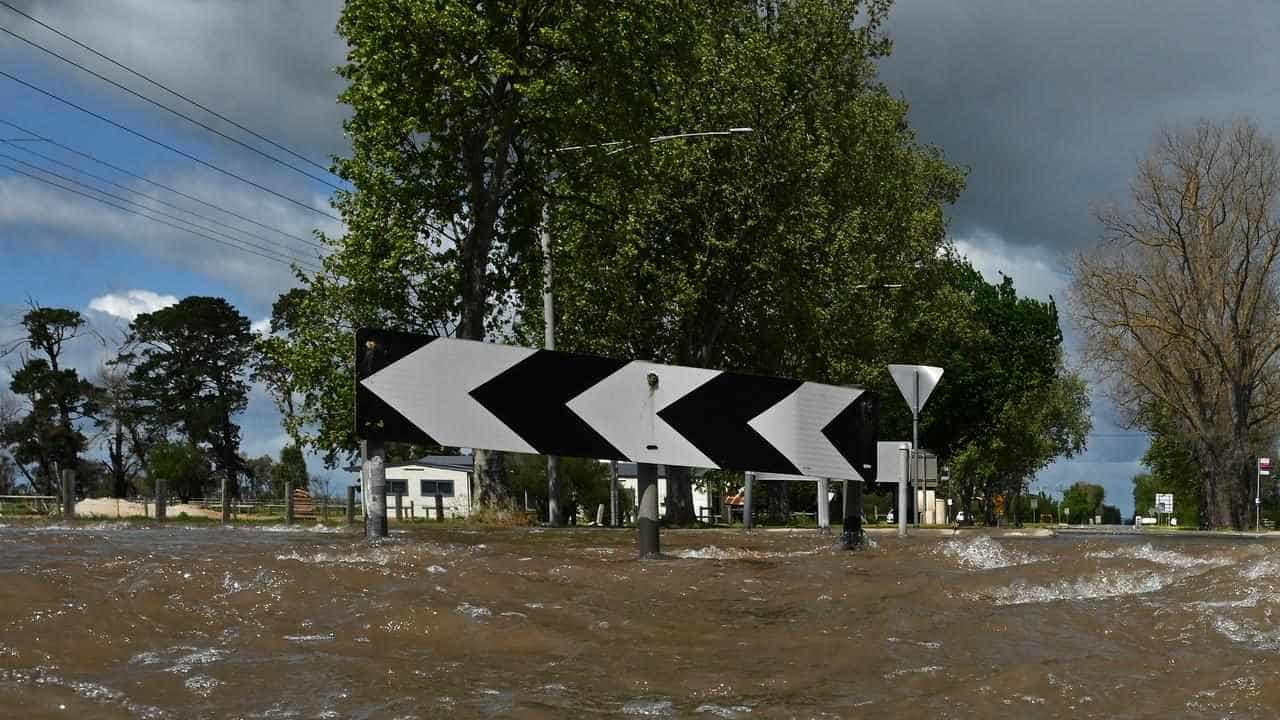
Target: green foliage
x=188 y=364
x=291 y=468
x=584 y=483
x=1082 y=501
x=182 y=466
x=56 y=400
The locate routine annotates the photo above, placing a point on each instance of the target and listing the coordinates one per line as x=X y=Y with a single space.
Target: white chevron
x=624 y=410
x=430 y=387
x=794 y=426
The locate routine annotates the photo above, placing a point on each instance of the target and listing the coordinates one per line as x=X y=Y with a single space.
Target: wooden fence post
x=226 y=503
x=439 y=507
x=160 y=500
x=288 y=502
x=68 y=494
x=351 y=504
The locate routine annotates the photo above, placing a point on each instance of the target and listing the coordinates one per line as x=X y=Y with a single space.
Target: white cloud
x=1035 y=272
x=132 y=303
x=261 y=327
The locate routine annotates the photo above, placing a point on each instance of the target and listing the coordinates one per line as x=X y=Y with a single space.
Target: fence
x=28 y=504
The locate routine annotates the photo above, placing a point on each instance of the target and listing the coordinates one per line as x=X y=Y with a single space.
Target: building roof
x=461 y=463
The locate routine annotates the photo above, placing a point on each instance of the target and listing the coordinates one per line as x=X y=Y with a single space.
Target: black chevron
x=375 y=419
x=714 y=418
x=530 y=398
x=854 y=433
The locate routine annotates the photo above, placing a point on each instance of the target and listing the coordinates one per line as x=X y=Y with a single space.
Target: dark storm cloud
x=1050 y=104
x=266 y=64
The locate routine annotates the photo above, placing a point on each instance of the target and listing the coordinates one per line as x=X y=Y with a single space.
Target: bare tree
x=1179 y=301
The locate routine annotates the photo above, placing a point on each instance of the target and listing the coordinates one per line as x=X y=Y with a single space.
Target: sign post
x=1264 y=468
x=916 y=383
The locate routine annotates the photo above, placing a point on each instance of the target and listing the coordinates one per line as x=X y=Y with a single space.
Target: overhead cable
x=162 y=86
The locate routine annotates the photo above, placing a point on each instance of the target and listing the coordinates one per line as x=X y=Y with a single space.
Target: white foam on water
x=1246 y=633
x=984 y=553
x=374 y=556
x=649 y=708
x=185 y=663
x=474 y=611
x=1161 y=556
x=912 y=671
x=721 y=711
x=436 y=569
x=87 y=690
x=1104 y=585
x=310 y=638
x=922 y=643
x=202 y=685
x=711 y=552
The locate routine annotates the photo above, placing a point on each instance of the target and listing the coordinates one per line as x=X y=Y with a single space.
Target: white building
x=627 y=484
x=419 y=481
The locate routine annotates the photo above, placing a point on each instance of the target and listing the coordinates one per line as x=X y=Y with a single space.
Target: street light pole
x=548 y=303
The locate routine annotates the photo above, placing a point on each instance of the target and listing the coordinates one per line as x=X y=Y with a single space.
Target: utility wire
x=160 y=85
x=166 y=108
x=234 y=242
x=162 y=186
x=128 y=189
x=167 y=146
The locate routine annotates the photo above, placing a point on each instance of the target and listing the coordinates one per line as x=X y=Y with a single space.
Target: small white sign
x=1264 y=463
x=948 y=502
x=1164 y=502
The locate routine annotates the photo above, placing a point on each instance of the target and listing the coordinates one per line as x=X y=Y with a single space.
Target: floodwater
x=118 y=621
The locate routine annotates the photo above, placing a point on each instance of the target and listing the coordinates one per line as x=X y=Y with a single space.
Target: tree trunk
x=680 y=509
x=778 y=502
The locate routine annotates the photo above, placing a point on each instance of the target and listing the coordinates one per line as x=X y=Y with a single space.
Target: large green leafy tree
x=1082 y=501
x=189 y=363
x=183 y=467
x=292 y=468
x=747 y=253
x=57 y=399
x=454 y=109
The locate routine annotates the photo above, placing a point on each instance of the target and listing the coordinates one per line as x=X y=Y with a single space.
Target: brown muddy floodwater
x=119 y=621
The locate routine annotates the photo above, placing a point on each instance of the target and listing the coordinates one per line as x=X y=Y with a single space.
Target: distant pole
x=68 y=494
x=160 y=500
x=375 y=504
x=904 y=464
x=614 y=520
x=600 y=515
x=399 y=507
x=824 y=505
x=647 y=517
x=288 y=502
x=746 y=500
x=226 y=503
x=439 y=507
x=351 y=504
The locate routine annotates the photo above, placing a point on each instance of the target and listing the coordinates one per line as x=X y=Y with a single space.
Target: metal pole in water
x=851 y=532
x=647 y=518
x=375 y=505
x=904 y=465
x=824 y=505
x=746 y=500
x=68 y=494
x=614 y=520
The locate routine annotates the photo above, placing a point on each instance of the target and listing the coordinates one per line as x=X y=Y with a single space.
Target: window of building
x=397 y=487
x=437 y=487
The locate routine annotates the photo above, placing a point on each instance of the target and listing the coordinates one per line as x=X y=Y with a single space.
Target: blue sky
x=1048 y=108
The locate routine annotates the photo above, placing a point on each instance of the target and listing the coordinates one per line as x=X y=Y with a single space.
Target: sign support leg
x=647 y=519
x=747 y=507
x=376 y=503
x=824 y=505
x=851 y=532
x=614 y=520
x=904 y=466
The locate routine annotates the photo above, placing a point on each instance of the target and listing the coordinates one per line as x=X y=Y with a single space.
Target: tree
x=1179 y=302
x=187 y=363
x=183 y=466
x=1082 y=501
x=259 y=474
x=292 y=468
x=747 y=254
x=456 y=108
x=124 y=430
x=57 y=399
x=584 y=482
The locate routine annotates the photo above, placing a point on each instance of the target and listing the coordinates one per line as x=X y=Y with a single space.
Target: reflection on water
x=112 y=620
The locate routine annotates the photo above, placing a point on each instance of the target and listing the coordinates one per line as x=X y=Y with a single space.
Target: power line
x=162 y=186
x=282 y=252
x=160 y=85
x=167 y=146
x=282 y=259
x=128 y=189
x=166 y=108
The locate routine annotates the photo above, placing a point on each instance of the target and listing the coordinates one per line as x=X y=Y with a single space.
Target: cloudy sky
x=1048 y=105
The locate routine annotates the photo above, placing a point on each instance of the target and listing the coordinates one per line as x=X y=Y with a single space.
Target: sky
x=1048 y=105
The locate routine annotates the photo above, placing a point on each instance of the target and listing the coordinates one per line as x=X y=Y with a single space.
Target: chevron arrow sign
x=462 y=393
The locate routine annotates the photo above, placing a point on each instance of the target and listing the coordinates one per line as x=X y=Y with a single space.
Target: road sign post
x=462 y=393
x=1264 y=468
x=916 y=382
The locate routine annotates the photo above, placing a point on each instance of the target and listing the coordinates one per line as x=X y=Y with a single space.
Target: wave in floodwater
x=116 y=620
